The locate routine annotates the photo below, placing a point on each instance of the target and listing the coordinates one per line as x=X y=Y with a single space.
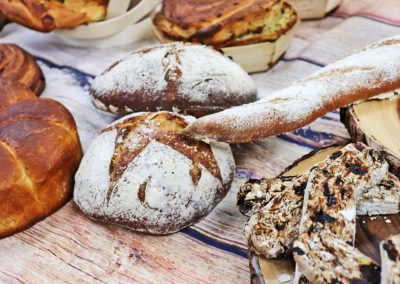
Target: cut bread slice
x=273 y=229
x=390 y=257
x=330 y=196
x=255 y=194
x=324 y=258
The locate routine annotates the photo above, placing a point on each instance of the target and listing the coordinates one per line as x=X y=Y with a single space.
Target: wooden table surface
x=69 y=247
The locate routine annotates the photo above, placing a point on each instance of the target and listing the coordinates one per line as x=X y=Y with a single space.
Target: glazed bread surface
x=39 y=147
x=225 y=23
x=47 y=15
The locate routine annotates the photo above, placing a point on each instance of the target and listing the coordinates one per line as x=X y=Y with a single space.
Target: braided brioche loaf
x=39 y=145
x=368 y=72
x=48 y=15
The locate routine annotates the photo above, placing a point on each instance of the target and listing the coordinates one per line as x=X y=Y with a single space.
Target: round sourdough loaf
x=142 y=173
x=182 y=77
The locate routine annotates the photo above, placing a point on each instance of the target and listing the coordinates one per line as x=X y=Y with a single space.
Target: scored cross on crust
x=136 y=133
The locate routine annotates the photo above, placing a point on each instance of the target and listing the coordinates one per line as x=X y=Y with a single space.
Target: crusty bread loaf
x=143 y=173
x=368 y=72
x=48 y=15
x=39 y=148
x=224 y=23
x=186 y=78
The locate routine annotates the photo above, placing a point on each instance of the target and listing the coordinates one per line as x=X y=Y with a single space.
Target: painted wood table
x=69 y=247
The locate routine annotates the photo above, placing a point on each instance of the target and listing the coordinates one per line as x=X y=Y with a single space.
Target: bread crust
x=224 y=23
x=143 y=174
x=46 y=16
x=39 y=146
x=368 y=72
x=186 y=78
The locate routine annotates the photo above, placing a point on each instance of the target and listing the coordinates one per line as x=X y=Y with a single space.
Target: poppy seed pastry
x=186 y=78
x=142 y=173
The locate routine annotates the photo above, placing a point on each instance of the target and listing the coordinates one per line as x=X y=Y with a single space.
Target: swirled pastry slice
x=324 y=258
x=225 y=23
x=47 y=15
x=390 y=256
x=255 y=194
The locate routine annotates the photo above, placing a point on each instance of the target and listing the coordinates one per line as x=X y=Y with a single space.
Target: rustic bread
x=368 y=72
x=324 y=258
x=142 y=173
x=224 y=23
x=47 y=15
x=390 y=257
x=39 y=148
x=186 y=78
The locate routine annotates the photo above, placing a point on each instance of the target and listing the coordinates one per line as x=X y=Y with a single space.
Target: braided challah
x=48 y=15
x=39 y=145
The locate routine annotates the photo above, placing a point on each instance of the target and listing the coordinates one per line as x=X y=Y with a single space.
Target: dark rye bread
x=224 y=23
x=185 y=78
x=143 y=173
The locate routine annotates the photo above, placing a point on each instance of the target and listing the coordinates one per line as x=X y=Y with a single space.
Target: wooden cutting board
x=369 y=232
x=377 y=124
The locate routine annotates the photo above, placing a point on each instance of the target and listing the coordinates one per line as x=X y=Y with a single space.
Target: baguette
x=368 y=72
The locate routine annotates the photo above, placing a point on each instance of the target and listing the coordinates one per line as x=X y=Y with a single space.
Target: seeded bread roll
x=186 y=78
x=143 y=173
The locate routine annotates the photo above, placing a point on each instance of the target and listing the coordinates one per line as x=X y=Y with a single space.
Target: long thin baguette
x=368 y=72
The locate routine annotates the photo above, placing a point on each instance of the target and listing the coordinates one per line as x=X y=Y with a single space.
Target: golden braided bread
x=47 y=15
x=39 y=148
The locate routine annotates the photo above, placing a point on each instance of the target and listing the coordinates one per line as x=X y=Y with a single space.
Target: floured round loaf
x=186 y=78
x=142 y=173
